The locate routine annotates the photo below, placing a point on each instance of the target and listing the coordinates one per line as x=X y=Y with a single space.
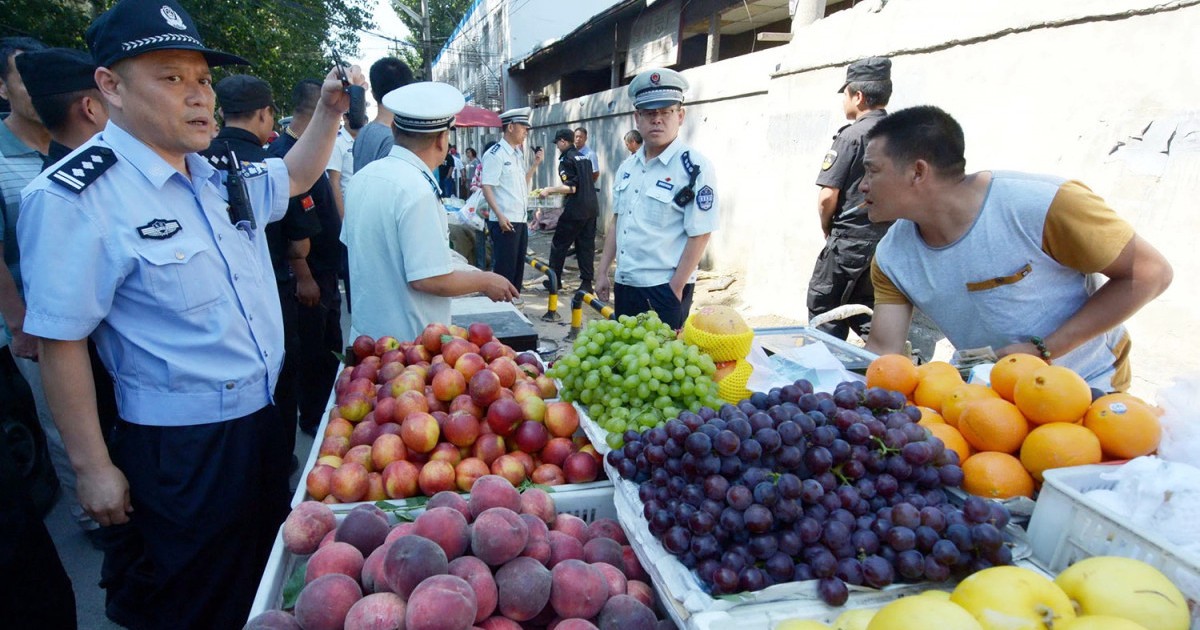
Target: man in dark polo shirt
x=320 y=310
x=248 y=109
x=842 y=273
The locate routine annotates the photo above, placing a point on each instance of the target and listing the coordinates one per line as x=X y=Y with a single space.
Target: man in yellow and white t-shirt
x=1000 y=259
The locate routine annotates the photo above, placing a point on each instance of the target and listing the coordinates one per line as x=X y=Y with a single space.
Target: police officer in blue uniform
x=842 y=274
x=665 y=208
x=170 y=270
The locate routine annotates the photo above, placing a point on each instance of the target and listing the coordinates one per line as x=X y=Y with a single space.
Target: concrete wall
x=1105 y=91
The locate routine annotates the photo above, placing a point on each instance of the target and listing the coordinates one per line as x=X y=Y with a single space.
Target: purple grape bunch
x=792 y=485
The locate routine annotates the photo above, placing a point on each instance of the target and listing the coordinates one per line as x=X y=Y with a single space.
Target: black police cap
x=56 y=71
x=869 y=69
x=243 y=93
x=135 y=27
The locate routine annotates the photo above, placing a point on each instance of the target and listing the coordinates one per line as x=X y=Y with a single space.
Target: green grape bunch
x=633 y=373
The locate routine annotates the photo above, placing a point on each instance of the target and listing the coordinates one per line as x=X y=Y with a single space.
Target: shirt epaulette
x=86 y=167
x=495 y=148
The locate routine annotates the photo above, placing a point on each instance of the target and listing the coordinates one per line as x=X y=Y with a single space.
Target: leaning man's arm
x=893 y=315
x=67 y=378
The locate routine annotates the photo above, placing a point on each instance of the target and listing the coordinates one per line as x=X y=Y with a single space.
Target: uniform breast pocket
x=180 y=274
x=660 y=207
x=1008 y=303
x=619 y=190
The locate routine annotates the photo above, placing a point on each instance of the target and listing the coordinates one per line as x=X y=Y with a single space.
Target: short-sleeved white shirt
x=395 y=233
x=504 y=170
x=652 y=230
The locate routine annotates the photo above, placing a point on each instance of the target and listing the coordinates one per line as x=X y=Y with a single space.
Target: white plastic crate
x=589 y=504
x=1067 y=527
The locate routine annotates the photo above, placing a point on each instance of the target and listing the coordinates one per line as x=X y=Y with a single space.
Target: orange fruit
x=938 y=379
x=952 y=439
x=993 y=424
x=929 y=416
x=936 y=367
x=1126 y=426
x=1009 y=369
x=1059 y=444
x=1052 y=394
x=996 y=476
x=953 y=404
x=894 y=372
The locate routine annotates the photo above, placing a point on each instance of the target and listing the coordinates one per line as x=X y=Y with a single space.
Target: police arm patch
x=705 y=198
x=830 y=158
x=86 y=167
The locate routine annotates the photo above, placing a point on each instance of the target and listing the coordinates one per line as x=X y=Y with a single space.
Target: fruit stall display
x=410 y=419
x=496 y=559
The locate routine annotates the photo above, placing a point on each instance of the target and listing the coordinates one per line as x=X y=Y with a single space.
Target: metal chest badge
x=159 y=229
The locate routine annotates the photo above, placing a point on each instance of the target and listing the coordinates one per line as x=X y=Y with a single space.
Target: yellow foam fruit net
x=732 y=388
x=720 y=347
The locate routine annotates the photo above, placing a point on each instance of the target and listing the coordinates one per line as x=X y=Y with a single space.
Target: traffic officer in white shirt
x=395 y=229
x=506 y=187
x=664 y=208
x=170 y=275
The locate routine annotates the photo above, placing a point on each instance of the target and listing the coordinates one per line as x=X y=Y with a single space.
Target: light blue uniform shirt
x=652 y=230
x=186 y=321
x=396 y=233
x=504 y=170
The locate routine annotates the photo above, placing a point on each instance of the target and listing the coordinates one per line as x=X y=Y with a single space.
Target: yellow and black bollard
x=580 y=298
x=552 y=304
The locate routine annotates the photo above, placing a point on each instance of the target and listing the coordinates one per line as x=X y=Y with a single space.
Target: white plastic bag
x=469 y=214
x=1158 y=496
x=1180 y=403
x=811 y=361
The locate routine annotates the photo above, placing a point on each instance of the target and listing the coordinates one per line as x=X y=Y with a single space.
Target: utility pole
x=426 y=40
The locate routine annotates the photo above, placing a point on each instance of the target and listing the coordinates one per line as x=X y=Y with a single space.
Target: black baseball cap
x=869 y=69
x=56 y=71
x=564 y=134
x=243 y=93
x=134 y=27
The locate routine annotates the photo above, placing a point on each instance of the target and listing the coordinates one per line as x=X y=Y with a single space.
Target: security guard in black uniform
x=577 y=225
x=249 y=111
x=843 y=271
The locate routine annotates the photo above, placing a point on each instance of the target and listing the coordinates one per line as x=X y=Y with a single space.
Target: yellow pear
x=1099 y=622
x=856 y=619
x=908 y=613
x=801 y=624
x=1128 y=588
x=1012 y=598
x=936 y=594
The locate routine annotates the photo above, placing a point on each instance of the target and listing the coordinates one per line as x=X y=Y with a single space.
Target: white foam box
x=1067 y=526
x=588 y=504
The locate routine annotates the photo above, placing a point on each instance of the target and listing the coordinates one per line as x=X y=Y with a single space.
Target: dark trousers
x=581 y=234
x=660 y=299
x=288 y=383
x=842 y=275
x=207 y=502
x=320 y=336
x=37 y=591
x=508 y=251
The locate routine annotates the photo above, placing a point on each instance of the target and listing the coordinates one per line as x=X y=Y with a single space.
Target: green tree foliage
x=444 y=16
x=285 y=40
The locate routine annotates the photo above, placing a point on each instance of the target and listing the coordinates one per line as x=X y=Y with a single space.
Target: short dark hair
x=388 y=74
x=635 y=135
x=305 y=96
x=414 y=141
x=10 y=46
x=55 y=109
x=876 y=93
x=581 y=130
x=471 y=152
x=925 y=133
